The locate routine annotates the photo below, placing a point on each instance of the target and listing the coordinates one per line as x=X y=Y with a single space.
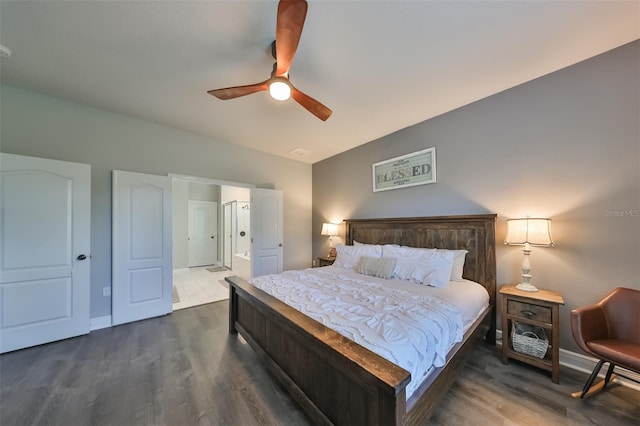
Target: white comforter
x=398 y=321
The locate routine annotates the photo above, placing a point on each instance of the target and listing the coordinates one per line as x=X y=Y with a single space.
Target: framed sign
x=417 y=168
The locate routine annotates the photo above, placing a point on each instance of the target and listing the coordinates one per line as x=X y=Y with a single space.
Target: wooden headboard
x=475 y=233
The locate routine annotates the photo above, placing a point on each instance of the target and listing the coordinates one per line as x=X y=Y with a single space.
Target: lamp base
x=526 y=287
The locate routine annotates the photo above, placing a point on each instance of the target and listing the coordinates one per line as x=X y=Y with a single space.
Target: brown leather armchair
x=610 y=331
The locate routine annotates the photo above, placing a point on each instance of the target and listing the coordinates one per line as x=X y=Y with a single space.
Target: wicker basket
x=529 y=340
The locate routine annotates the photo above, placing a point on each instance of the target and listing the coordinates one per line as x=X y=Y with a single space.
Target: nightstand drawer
x=528 y=311
x=326 y=261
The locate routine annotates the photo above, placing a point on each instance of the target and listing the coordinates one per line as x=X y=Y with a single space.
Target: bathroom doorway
x=199 y=265
x=257 y=244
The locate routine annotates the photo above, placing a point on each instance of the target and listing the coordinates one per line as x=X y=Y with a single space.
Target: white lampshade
x=329 y=229
x=528 y=232
x=279 y=89
x=536 y=232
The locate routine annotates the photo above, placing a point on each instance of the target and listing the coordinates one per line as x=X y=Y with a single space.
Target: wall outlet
x=106 y=291
x=314 y=263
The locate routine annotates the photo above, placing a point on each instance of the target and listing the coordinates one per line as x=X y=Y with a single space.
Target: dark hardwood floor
x=184 y=369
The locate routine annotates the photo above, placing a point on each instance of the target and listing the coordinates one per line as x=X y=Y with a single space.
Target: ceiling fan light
x=279 y=90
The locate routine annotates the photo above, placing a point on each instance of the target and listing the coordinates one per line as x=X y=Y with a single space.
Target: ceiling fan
x=289 y=23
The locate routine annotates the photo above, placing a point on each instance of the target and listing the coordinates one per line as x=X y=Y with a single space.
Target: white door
x=266 y=231
x=203 y=233
x=142 y=259
x=45 y=216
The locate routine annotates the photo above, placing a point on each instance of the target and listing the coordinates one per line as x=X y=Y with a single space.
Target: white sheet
x=411 y=325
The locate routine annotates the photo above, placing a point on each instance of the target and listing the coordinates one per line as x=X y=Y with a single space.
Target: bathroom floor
x=197 y=286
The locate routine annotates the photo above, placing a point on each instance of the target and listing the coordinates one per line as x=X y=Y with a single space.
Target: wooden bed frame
x=337 y=381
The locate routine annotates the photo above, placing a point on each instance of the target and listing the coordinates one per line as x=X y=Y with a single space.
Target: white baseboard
x=586 y=364
x=100 y=322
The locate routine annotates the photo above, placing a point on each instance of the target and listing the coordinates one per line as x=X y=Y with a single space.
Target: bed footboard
x=333 y=379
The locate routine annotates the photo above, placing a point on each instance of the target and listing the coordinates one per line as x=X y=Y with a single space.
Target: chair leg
x=593 y=376
x=607 y=378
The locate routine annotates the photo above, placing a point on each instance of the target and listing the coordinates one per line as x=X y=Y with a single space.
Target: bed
x=337 y=381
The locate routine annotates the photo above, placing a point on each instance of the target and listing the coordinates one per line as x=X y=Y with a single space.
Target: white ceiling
x=380 y=65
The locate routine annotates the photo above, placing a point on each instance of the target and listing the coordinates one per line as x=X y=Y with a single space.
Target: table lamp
x=528 y=232
x=330 y=230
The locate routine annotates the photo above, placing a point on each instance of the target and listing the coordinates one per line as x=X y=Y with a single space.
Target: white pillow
x=437 y=269
x=349 y=256
x=376 y=267
x=408 y=261
x=424 y=266
x=458 y=263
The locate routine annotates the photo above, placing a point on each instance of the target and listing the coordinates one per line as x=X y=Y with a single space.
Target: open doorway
x=199 y=239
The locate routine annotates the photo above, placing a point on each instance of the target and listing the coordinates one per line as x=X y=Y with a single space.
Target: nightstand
x=326 y=261
x=536 y=309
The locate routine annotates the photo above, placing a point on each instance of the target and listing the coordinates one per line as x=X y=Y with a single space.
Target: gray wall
x=565 y=146
x=42 y=126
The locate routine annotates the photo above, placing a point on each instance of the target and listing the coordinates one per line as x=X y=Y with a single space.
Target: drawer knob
x=528 y=313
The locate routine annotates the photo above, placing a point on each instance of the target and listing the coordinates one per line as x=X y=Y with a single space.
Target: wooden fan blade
x=238 y=91
x=291 y=16
x=313 y=106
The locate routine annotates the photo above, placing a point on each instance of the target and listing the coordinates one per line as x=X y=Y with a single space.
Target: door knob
x=212 y=236
x=81 y=257
x=280 y=245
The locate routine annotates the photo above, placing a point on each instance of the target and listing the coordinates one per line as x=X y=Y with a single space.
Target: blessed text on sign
x=413 y=169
